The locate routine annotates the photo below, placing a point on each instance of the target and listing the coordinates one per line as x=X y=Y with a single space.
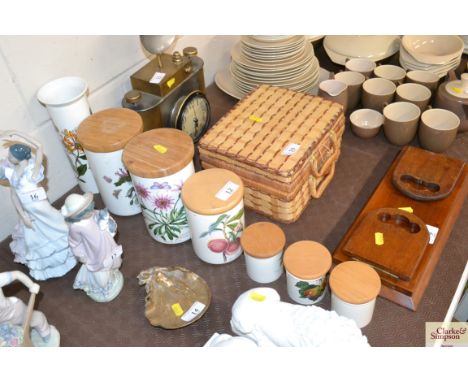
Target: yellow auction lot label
x=450 y=334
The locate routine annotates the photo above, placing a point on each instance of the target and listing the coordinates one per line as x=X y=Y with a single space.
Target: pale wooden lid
x=199 y=191
x=307 y=260
x=158 y=153
x=355 y=282
x=263 y=240
x=109 y=130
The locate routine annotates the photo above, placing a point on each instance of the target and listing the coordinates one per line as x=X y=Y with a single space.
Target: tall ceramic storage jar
x=214 y=203
x=263 y=245
x=354 y=287
x=159 y=162
x=103 y=136
x=307 y=264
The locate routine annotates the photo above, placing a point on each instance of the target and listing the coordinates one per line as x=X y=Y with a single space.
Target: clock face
x=193 y=116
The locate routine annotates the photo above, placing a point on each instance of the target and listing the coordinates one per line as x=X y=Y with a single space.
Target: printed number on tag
x=226 y=192
x=433 y=231
x=156 y=79
x=291 y=149
x=33 y=196
x=196 y=308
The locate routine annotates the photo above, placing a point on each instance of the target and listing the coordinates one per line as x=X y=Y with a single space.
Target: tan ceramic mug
x=423 y=77
x=393 y=73
x=418 y=94
x=361 y=65
x=438 y=129
x=354 y=80
x=376 y=92
x=401 y=122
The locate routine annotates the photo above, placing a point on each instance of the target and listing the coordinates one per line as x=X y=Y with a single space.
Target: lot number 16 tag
x=226 y=192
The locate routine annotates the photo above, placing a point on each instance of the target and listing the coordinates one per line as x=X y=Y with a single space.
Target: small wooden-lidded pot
x=159 y=162
x=103 y=136
x=214 y=203
x=263 y=245
x=354 y=287
x=307 y=263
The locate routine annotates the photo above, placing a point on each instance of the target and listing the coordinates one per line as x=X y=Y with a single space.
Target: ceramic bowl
x=366 y=123
x=433 y=49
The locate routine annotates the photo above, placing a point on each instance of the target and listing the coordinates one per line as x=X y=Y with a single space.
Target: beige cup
x=438 y=129
x=401 y=122
x=376 y=92
x=423 y=77
x=418 y=94
x=361 y=65
x=366 y=123
x=393 y=73
x=354 y=80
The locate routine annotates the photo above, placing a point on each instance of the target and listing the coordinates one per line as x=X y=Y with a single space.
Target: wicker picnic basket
x=284 y=146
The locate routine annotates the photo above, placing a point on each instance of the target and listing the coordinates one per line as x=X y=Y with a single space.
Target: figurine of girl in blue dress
x=40 y=238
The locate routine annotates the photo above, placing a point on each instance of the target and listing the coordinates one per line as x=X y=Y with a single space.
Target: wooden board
x=402 y=243
x=441 y=214
x=424 y=175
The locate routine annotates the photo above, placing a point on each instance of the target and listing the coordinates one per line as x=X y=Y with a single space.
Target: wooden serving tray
x=404 y=238
x=424 y=175
x=441 y=214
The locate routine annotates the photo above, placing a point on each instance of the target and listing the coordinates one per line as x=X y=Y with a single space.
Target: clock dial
x=193 y=116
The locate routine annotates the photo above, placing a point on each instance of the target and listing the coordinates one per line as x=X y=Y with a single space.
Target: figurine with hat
x=91 y=240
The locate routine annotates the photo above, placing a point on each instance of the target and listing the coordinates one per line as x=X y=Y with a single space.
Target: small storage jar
x=159 y=162
x=263 y=245
x=103 y=136
x=307 y=263
x=354 y=287
x=214 y=203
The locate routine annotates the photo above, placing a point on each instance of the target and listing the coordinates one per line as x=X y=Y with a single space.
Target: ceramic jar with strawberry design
x=159 y=162
x=307 y=264
x=103 y=136
x=213 y=200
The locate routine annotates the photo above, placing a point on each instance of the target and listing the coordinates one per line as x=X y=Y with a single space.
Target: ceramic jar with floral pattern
x=159 y=162
x=103 y=136
x=214 y=203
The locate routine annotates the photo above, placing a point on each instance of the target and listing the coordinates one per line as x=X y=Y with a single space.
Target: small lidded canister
x=263 y=245
x=307 y=263
x=354 y=287
x=103 y=136
x=159 y=162
x=214 y=203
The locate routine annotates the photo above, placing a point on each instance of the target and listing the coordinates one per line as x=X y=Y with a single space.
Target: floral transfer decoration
x=75 y=150
x=231 y=228
x=311 y=291
x=123 y=177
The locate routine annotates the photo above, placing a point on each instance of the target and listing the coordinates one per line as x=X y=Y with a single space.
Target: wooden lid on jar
x=158 y=153
x=211 y=192
x=263 y=240
x=355 y=282
x=109 y=130
x=307 y=260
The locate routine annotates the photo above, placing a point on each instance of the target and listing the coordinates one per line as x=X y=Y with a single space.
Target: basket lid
x=109 y=130
x=263 y=240
x=307 y=260
x=355 y=282
x=158 y=153
x=212 y=192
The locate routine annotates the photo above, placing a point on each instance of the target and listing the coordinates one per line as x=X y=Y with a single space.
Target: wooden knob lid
x=109 y=130
x=203 y=193
x=355 y=282
x=263 y=240
x=307 y=260
x=158 y=153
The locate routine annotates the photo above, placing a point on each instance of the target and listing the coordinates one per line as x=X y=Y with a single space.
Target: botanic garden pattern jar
x=307 y=263
x=159 y=162
x=214 y=203
x=354 y=287
x=263 y=245
x=103 y=136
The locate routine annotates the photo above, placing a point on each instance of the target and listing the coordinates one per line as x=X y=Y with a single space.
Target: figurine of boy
x=13 y=313
x=91 y=239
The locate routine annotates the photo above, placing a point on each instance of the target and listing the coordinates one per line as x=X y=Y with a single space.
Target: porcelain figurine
x=260 y=316
x=92 y=241
x=225 y=340
x=13 y=316
x=40 y=238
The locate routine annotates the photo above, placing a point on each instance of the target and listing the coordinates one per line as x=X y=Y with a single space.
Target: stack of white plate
x=465 y=41
x=436 y=54
x=285 y=61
